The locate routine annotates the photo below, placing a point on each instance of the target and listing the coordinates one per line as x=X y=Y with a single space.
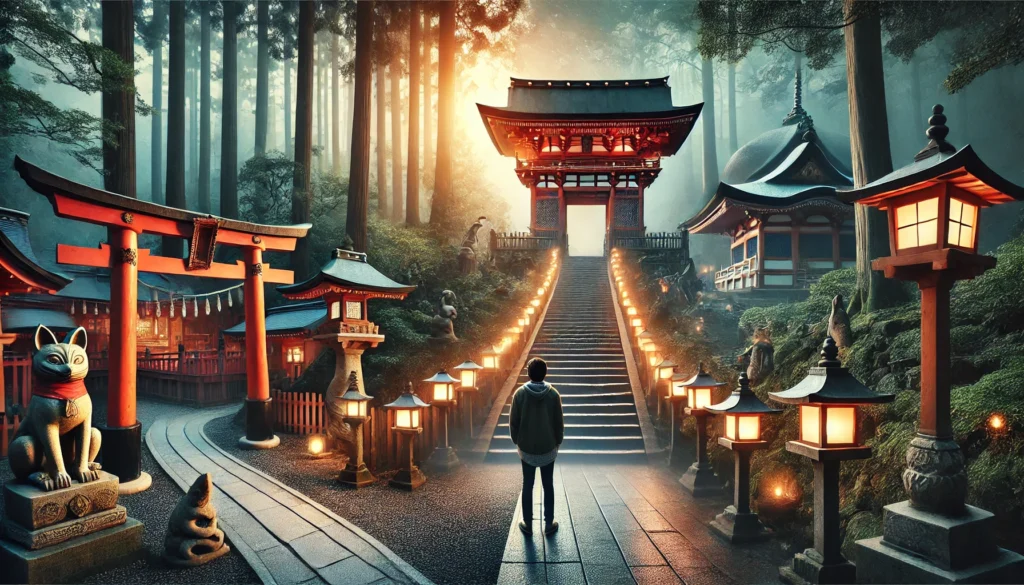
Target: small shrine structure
x=588 y=142
x=777 y=202
x=290 y=338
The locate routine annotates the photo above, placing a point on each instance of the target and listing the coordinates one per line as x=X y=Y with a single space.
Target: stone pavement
x=283 y=535
x=626 y=524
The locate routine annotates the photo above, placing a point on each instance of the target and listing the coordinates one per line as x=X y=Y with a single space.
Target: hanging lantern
x=231 y=293
x=207 y=305
x=195 y=306
x=184 y=308
x=85 y=310
x=218 y=303
x=172 y=307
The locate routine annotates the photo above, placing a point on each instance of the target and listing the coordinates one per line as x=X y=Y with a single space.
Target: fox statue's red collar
x=69 y=390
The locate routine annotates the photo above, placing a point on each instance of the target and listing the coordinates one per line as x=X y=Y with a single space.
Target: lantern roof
x=667 y=363
x=353 y=392
x=442 y=377
x=743 y=401
x=468 y=365
x=347 y=272
x=830 y=383
x=19 y=261
x=407 y=401
x=702 y=379
x=939 y=162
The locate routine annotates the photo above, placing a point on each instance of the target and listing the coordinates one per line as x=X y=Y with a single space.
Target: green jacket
x=535 y=422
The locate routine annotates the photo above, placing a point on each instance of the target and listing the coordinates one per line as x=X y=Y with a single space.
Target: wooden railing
x=738 y=276
x=523 y=241
x=194 y=363
x=655 y=241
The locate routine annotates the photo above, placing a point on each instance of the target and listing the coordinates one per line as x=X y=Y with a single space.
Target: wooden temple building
x=777 y=202
x=596 y=142
x=290 y=344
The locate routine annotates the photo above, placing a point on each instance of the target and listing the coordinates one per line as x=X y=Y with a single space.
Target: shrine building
x=596 y=142
x=777 y=201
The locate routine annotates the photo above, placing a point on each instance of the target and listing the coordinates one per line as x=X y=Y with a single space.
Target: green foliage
x=989 y=300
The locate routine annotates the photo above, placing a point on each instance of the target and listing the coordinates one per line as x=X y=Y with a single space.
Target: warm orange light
x=625 y=294
x=699 y=398
x=631 y=311
x=468 y=378
x=531 y=310
x=540 y=291
x=997 y=422
x=678 y=388
x=778 y=491
x=810 y=424
x=840 y=425
x=407 y=419
x=316 y=445
x=627 y=303
x=490 y=362
x=535 y=302
x=547 y=283
x=917 y=224
x=443 y=392
x=636 y=322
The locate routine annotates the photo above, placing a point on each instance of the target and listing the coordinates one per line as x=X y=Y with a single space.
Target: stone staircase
x=579 y=339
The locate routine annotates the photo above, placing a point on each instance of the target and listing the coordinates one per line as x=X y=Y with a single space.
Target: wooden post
x=259 y=429
x=827 y=540
x=741 y=491
x=935 y=392
x=675 y=452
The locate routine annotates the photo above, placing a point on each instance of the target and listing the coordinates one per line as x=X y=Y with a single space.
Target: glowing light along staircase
x=580 y=342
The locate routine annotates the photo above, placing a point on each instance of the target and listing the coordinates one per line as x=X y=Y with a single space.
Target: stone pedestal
x=809 y=568
x=919 y=546
x=357 y=476
x=66 y=534
x=410 y=477
x=443 y=459
x=737 y=527
x=699 y=479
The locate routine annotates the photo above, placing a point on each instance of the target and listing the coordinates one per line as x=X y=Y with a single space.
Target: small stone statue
x=442 y=326
x=467 y=251
x=839 y=327
x=56 y=443
x=192 y=534
x=760 y=356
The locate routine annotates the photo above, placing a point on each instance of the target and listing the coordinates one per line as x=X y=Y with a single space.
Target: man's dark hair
x=537 y=369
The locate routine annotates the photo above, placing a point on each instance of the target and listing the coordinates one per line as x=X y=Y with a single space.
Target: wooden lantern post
x=355 y=413
x=125 y=218
x=742 y=412
x=408 y=408
x=934 y=208
x=699 y=479
x=442 y=391
x=662 y=372
x=677 y=401
x=829 y=434
x=469 y=372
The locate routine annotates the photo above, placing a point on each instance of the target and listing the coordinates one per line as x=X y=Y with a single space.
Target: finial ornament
x=936 y=133
x=353 y=381
x=798 y=115
x=744 y=383
x=829 y=354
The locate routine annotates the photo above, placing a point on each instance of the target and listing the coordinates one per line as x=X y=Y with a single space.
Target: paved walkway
x=626 y=524
x=283 y=535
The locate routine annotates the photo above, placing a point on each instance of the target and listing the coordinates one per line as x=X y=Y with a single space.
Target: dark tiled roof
x=14 y=238
x=293 y=318
x=348 y=269
x=25 y=319
x=543 y=96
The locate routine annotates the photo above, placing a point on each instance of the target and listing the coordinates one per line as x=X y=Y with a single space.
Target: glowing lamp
x=699 y=479
x=407 y=409
x=654 y=357
x=547 y=283
x=353 y=404
x=541 y=291
x=625 y=294
x=643 y=338
x=535 y=302
x=996 y=422
x=631 y=311
x=636 y=322
x=316 y=445
x=521 y=322
x=699 y=389
x=467 y=372
x=665 y=369
x=742 y=412
x=442 y=387
x=294 y=355
x=627 y=303
x=489 y=359
x=526 y=317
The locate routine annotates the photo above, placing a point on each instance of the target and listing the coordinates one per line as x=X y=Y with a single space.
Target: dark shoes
x=550 y=529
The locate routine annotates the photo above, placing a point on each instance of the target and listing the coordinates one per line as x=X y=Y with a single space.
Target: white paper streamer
x=218 y=303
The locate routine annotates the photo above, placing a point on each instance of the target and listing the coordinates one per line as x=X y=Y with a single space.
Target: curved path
x=283 y=535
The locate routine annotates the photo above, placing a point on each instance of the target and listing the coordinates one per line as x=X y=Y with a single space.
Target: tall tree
x=204 y=114
x=412 y=199
x=359 y=173
x=302 y=192
x=734 y=142
x=441 y=204
x=192 y=143
x=172 y=246
x=707 y=76
x=229 y=115
x=288 y=136
x=118 y=102
x=262 y=75
x=382 y=160
x=428 y=95
x=335 y=107
x=397 y=192
x=156 y=47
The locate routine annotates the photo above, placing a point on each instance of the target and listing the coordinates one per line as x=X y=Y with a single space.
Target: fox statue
x=56 y=442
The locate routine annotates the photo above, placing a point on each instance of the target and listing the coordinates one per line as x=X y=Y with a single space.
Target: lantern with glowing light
x=934 y=206
x=468 y=372
x=631 y=311
x=677 y=400
x=442 y=388
x=316 y=445
x=408 y=408
x=699 y=479
x=828 y=399
x=353 y=406
x=742 y=412
x=490 y=360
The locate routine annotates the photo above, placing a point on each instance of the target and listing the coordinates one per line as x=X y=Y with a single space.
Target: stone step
x=585 y=429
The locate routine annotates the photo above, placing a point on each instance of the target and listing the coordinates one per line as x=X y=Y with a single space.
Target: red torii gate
x=126 y=218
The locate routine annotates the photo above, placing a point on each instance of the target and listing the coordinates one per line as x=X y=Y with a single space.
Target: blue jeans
x=547 y=474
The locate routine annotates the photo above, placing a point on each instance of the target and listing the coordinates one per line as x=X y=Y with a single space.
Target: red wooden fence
x=17 y=373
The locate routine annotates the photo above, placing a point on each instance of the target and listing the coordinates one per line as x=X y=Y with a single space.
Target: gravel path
x=453 y=529
x=153 y=507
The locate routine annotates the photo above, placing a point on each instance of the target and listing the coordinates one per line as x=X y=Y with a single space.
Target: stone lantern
x=442 y=391
x=354 y=412
x=662 y=372
x=700 y=478
x=677 y=400
x=408 y=424
x=933 y=207
x=742 y=412
x=828 y=399
x=468 y=373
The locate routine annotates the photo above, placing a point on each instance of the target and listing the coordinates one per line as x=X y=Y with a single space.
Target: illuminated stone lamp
x=468 y=372
x=742 y=412
x=677 y=401
x=828 y=399
x=662 y=371
x=354 y=412
x=408 y=424
x=442 y=392
x=933 y=207
x=699 y=479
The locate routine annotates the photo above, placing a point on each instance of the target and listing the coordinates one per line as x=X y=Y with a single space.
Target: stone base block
x=64 y=531
x=808 y=569
x=33 y=508
x=249 y=445
x=950 y=543
x=74 y=559
x=135 y=486
x=700 y=481
x=443 y=459
x=408 y=479
x=356 y=477
x=739 y=528
x=879 y=562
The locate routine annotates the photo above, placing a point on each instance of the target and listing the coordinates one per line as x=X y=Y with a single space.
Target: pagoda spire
x=798 y=115
x=936 y=133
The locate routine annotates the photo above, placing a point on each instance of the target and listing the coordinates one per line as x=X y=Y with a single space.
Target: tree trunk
x=288 y=105
x=204 y=113
x=397 y=192
x=359 y=175
x=382 y=160
x=321 y=94
x=733 y=139
x=171 y=246
x=302 y=193
x=156 y=191
x=119 y=105
x=707 y=75
x=229 y=116
x=412 y=200
x=441 y=205
x=344 y=119
x=428 y=99
x=348 y=115
x=335 y=108
x=193 y=135
x=869 y=147
x=272 y=133
x=262 y=75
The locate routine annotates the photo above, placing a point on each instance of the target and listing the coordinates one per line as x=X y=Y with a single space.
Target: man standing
x=536 y=426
